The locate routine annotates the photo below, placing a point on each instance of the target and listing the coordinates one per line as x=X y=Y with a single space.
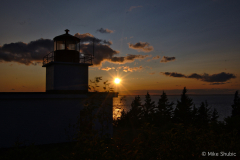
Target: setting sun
x=117 y=80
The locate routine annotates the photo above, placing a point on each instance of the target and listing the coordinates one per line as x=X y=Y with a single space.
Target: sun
x=117 y=80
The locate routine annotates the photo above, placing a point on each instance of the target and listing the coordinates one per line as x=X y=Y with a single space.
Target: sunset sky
x=150 y=45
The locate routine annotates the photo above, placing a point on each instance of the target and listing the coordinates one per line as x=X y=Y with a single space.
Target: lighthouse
x=66 y=67
x=52 y=116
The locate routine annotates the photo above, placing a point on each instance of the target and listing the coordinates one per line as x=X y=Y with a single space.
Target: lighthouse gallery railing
x=83 y=58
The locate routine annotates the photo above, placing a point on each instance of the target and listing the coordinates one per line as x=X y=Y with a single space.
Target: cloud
x=147 y=67
x=88 y=38
x=129 y=69
x=133 y=7
x=141 y=46
x=102 y=50
x=127 y=59
x=195 y=75
x=135 y=69
x=101 y=30
x=33 y=52
x=152 y=73
x=220 y=77
x=217 y=83
x=167 y=59
x=132 y=57
x=215 y=78
x=26 y=53
x=173 y=74
x=156 y=57
x=106 y=69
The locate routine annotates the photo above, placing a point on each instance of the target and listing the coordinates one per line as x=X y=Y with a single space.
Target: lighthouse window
x=71 y=45
x=60 y=45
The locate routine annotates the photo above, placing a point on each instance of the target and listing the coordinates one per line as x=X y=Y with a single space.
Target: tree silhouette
x=123 y=120
x=135 y=111
x=133 y=116
x=164 y=109
x=214 y=116
x=183 y=110
x=233 y=121
x=194 y=114
x=236 y=105
x=203 y=116
x=148 y=108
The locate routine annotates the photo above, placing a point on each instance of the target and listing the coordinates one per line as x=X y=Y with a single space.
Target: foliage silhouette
x=94 y=85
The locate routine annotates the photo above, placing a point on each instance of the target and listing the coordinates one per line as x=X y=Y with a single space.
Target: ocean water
x=222 y=103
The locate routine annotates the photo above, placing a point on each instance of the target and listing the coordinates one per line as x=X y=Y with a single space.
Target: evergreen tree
x=194 y=111
x=132 y=117
x=135 y=111
x=148 y=108
x=194 y=114
x=183 y=110
x=214 y=116
x=164 y=108
x=236 y=105
x=203 y=116
x=233 y=121
x=123 y=120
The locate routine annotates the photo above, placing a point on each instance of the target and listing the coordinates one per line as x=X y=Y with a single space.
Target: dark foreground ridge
x=150 y=131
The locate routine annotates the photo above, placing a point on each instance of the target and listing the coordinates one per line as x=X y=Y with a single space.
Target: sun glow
x=117 y=80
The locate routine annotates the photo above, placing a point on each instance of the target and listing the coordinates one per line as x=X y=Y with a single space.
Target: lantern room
x=66 y=48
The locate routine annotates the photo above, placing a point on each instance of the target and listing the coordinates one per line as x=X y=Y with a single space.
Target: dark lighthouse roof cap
x=66 y=36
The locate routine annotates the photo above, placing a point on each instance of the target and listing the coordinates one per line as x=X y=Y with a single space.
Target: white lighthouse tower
x=66 y=68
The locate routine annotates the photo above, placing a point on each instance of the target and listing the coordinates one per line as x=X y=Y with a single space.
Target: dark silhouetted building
x=51 y=116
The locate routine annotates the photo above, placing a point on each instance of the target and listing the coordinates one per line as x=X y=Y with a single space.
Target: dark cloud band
x=219 y=78
x=26 y=53
x=33 y=52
